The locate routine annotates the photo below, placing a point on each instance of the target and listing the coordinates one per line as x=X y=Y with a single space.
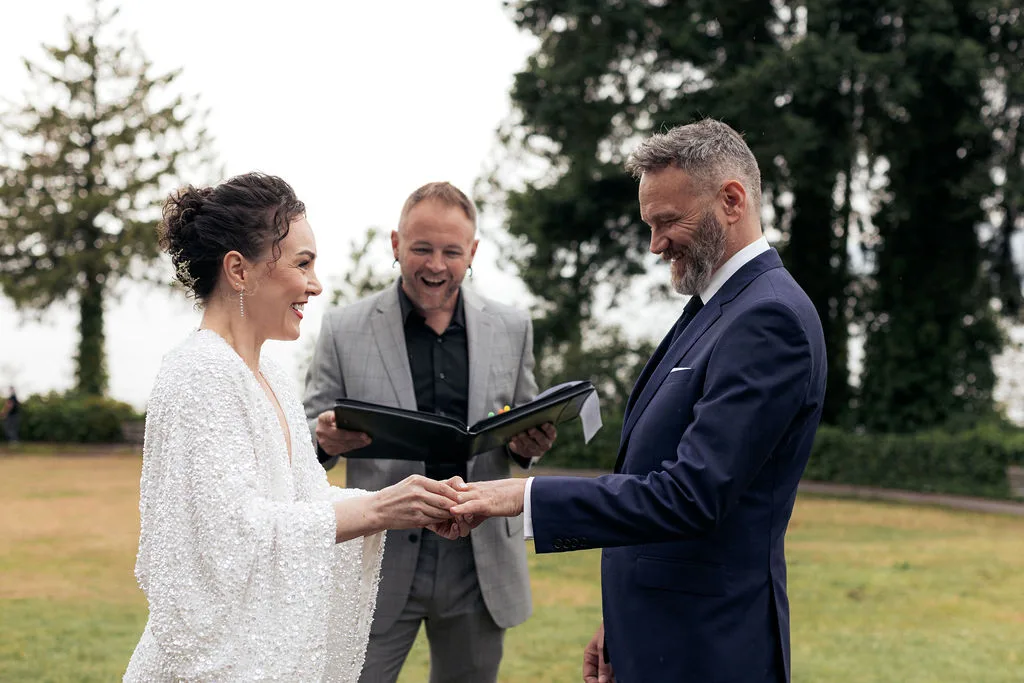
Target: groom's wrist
x=527 y=510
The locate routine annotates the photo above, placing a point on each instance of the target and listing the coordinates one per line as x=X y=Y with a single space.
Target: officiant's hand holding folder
x=412 y=435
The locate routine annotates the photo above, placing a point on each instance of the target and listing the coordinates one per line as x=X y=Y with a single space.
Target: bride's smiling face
x=284 y=285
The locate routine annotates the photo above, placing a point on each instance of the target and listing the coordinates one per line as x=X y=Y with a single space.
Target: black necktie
x=689 y=313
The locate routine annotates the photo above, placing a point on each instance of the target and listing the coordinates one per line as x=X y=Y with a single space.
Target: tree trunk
x=91 y=369
x=816 y=256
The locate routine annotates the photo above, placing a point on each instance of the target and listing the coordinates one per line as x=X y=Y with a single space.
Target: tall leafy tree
x=827 y=93
x=604 y=75
x=1004 y=116
x=87 y=161
x=932 y=333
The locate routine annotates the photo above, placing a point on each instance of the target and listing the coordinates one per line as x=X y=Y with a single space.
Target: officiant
x=428 y=343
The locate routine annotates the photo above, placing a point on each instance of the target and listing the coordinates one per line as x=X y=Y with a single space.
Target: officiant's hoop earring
x=394 y=263
x=470 y=272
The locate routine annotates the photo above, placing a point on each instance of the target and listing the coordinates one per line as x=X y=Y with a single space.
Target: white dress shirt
x=719 y=278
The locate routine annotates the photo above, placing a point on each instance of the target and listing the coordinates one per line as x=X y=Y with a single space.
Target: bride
x=254 y=567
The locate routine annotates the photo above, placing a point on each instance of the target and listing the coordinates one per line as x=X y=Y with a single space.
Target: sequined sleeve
x=243 y=582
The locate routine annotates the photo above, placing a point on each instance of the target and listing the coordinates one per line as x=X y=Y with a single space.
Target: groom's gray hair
x=709 y=151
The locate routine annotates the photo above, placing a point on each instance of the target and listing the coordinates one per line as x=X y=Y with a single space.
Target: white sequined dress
x=236 y=553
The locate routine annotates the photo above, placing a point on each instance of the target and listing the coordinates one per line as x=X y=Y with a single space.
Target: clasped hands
x=480 y=500
x=467 y=505
x=452 y=508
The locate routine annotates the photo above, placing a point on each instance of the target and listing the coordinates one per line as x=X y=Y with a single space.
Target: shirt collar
x=729 y=268
x=407 y=307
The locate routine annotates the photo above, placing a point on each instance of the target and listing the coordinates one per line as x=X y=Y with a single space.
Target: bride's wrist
x=358 y=516
x=374 y=514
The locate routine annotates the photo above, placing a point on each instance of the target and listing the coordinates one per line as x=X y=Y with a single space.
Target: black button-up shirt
x=440 y=370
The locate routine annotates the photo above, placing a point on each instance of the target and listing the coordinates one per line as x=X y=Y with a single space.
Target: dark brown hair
x=244 y=214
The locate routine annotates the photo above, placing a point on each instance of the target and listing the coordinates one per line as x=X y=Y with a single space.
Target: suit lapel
x=645 y=375
x=389 y=337
x=698 y=326
x=712 y=311
x=480 y=343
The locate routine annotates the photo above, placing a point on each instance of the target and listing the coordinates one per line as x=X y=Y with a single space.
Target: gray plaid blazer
x=361 y=354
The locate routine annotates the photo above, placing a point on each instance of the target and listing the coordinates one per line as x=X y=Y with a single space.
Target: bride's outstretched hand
x=416 y=501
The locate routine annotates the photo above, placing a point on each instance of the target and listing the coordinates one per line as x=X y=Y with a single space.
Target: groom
x=716 y=435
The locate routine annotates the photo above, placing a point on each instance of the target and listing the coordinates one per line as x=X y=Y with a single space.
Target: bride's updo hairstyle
x=246 y=214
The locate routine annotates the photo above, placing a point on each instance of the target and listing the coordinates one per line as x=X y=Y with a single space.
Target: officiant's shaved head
x=442 y=192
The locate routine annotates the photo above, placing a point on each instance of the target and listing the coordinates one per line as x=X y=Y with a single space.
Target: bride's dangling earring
x=241 y=302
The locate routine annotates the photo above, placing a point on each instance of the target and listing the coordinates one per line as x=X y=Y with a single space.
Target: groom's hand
x=450 y=529
x=596 y=667
x=497 y=498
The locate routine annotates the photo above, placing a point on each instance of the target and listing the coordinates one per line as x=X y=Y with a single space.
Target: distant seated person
x=11 y=414
x=428 y=343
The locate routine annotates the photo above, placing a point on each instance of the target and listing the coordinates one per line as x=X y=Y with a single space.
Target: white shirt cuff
x=527 y=513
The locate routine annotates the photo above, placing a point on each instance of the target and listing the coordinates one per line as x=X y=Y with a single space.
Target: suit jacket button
x=413 y=538
x=557 y=544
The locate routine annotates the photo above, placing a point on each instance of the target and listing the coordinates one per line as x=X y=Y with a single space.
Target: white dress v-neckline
x=285 y=440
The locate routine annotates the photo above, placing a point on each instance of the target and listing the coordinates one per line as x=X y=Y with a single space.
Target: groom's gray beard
x=701 y=256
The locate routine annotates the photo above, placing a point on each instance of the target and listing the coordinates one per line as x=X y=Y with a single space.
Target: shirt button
x=439 y=340
x=442 y=375
x=413 y=538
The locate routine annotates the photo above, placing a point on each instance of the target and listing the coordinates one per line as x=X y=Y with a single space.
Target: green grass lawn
x=880 y=593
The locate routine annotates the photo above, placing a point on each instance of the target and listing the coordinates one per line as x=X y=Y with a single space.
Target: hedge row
x=69 y=418
x=970 y=462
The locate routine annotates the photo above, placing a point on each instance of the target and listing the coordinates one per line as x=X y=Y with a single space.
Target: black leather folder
x=411 y=435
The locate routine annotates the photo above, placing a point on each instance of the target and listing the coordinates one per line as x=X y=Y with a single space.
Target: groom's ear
x=733 y=201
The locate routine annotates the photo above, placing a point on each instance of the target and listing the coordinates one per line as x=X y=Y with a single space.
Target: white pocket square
x=678 y=370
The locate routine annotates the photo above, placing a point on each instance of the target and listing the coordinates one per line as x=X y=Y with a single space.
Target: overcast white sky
x=355 y=104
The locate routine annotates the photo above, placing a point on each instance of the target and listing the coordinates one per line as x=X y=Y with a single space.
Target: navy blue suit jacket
x=716 y=436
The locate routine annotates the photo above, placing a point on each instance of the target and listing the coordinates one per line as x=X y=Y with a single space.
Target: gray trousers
x=465 y=643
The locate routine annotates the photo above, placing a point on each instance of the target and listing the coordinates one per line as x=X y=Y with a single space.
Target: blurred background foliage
x=888 y=133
